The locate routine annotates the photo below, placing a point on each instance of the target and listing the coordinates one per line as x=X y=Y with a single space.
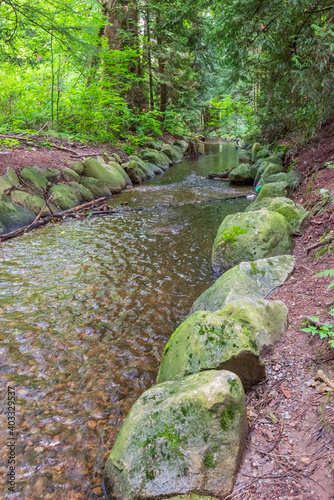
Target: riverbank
x=34 y=196
x=290 y=445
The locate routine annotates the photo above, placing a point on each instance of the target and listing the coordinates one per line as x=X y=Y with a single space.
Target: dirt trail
x=290 y=448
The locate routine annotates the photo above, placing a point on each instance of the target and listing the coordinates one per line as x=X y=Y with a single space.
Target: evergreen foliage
x=105 y=70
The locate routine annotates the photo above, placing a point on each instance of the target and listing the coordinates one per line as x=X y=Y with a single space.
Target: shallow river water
x=86 y=309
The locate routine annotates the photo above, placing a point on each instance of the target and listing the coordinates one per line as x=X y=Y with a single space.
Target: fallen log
x=42 y=222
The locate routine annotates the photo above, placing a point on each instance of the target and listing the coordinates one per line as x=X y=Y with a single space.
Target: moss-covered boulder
x=116 y=157
x=212 y=341
x=78 y=167
x=255 y=149
x=243 y=174
x=65 y=197
x=112 y=179
x=70 y=175
x=32 y=202
x=250 y=236
x=249 y=279
x=12 y=216
x=3 y=230
x=121 y=170
x=5 y=184
x=295 y=214
x=182 y=144
x=274 y=159
x=134 y=172
x=172 y=152
x=263 y=153
x=156 y=157
x=273 y=190
x=34 y=178
x=180 y=437
x=142 y=166
x=82 y=192
x=95 y=186
x=51 y=174
x=12 y=176
x=293 y=179
x=154 y=168
x=266 y=319
x=157 y=145
x=244 y=156
x=271 y=169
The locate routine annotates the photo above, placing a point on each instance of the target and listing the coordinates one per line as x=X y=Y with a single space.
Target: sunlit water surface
x=86 y=310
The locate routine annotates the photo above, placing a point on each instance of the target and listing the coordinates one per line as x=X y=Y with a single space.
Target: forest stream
x=86 y=310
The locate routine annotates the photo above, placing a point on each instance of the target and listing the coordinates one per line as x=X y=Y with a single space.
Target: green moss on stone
x=209 y=462
x=227 y=417
x=229 y=235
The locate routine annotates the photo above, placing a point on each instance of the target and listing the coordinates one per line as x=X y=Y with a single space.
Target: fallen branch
x=319 y=244
x=40 y=212
x=46 y=220
x=62 y=148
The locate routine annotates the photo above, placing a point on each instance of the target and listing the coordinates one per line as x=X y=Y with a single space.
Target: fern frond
x=325 y=274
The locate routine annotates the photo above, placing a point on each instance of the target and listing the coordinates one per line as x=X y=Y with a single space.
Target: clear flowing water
x=86 y=310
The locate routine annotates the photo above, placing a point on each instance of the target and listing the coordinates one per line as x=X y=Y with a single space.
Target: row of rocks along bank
x=24 y=195
x=184 y=438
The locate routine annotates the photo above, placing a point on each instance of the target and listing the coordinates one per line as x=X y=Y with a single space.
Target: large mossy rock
x=51 y=174
x=273 y=190
x=263 y=153
x=295 y=214
x=156 y=157
x=154 y=168
x=78 y=167
x=243 y=174
x=141 y=165
x=116 y=158
x=271 y=169
x=212 y=341
x=5 y=184
x=70 y=175
x=121 y=170
x=172 y=152
x=267 y=320
x=34 y=178
x=179 y=438
x=112 y=179
x=274 y=159
x=3 y=230
x=32 y=202
x=292 y=179
x=252 y=280
x=82 y=192
x=250 y=236
x=12 y=176
x=65 y=197
x=95 y=186
x=183 y=145
x=12 y=216
x=157 y=145
x=134 y=172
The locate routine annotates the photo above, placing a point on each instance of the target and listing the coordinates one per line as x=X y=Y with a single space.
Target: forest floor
x=46 y=152
x=290 y=448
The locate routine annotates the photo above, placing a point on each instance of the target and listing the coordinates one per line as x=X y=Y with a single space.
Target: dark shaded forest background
x=107 y=70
